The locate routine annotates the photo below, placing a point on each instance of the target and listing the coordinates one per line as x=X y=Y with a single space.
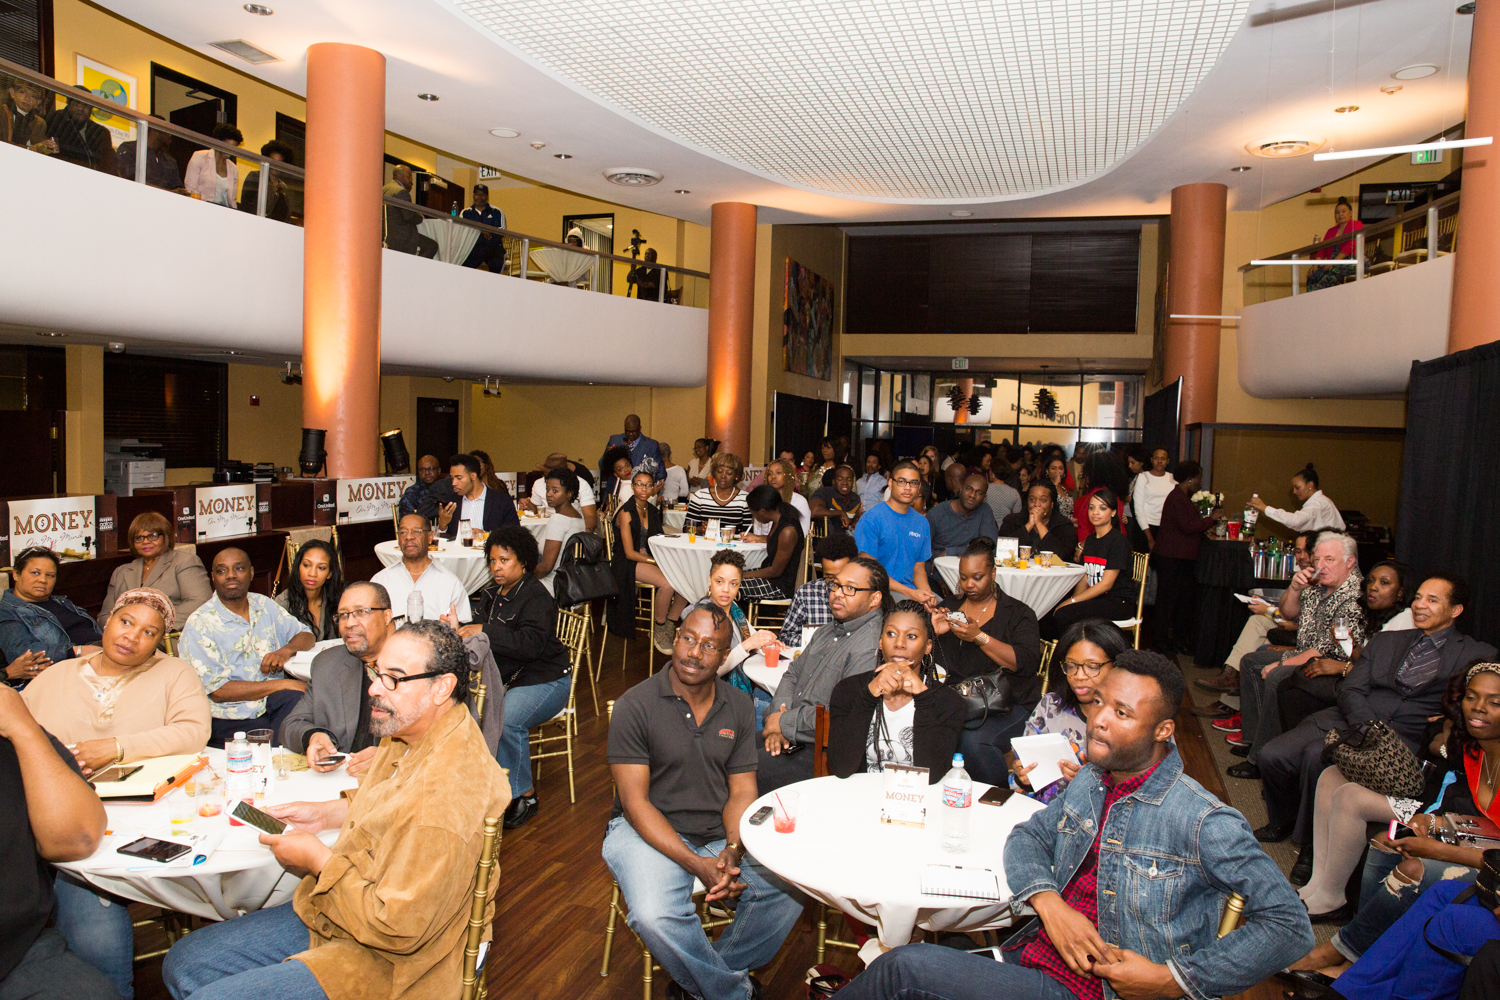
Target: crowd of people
x=882 y=644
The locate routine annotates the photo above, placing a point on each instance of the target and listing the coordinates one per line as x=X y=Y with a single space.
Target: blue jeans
x=932 y=972
x=527 y=706
x=984 y=749
x=97 y=928
x=243 y=959
x=1380 y=908
x=49 y=971
x=658 y=893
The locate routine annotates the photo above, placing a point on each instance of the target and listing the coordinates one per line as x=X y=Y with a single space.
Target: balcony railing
x=1424 y=233
x=76 y=137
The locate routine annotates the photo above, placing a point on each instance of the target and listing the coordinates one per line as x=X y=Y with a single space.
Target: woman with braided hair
x=897 y=713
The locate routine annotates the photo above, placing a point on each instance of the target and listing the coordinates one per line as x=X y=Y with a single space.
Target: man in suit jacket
x=486 y=509
x=400 y=225
x=641 y=448
x=1399 y=679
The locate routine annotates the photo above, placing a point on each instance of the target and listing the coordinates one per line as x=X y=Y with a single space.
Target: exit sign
x=1427 y=156
x=960 y=364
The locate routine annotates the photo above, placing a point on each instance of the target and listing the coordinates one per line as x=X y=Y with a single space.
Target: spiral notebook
x=954 y=880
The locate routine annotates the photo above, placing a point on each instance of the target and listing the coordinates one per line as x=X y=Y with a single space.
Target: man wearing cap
x=489 y=249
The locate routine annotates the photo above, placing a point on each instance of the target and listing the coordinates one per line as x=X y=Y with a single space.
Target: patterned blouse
x=1321 y=610
x=1052 y=716
x=224 y=647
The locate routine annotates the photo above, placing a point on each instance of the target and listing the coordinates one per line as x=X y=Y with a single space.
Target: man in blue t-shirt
x=899 y=538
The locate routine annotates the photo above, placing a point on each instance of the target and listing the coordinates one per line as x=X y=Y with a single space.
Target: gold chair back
x=486 y=875
x=1049 y=647
x=1142 y=562
x=1234 y=908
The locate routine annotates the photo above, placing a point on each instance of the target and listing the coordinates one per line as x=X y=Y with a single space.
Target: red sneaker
x=1229 y=725
x=1235 y=739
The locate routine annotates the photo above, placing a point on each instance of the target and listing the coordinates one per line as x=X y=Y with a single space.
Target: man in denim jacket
x=1129 y=904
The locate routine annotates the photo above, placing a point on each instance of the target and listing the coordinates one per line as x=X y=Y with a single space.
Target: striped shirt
x=702 y=507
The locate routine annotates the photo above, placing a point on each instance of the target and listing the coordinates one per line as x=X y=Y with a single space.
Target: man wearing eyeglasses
x=383 y=911
x=334 y=713
x=683 y=757
x=417 y=570
x=899 y=537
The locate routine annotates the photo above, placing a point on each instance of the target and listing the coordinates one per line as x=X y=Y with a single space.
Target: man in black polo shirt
x=50 y=814
x=682 y=751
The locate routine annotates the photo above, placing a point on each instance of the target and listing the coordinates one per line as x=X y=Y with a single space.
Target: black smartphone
x=996 y=796
x=791 y=748
x=155 y=850
x=331 y=758
x=251 y=816
x=115 y=772
x=1399 y=830
x=761 y=815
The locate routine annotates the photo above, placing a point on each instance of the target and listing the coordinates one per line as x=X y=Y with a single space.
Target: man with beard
x=682 y=753
x=383 y=912
x=1128 y=870
x=431 y=490
x=334 y=713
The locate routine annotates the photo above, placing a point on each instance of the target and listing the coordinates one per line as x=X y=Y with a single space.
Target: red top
x=1081 y=514
x=1473 y=761
x=1082 y=894
x=1345 y=249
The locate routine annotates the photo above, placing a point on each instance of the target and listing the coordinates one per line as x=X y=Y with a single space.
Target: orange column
x=1475 y=318
x=341 y=241
x=1195 y=287
x=731 y=316
x=965 y=386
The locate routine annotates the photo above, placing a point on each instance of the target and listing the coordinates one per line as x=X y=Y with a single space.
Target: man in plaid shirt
x=809 y=608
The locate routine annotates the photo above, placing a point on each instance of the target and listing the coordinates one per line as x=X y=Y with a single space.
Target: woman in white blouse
x=677 y=478
x=1150 y=492
x=565 y=522
x=212 y=175
x=1318 y=513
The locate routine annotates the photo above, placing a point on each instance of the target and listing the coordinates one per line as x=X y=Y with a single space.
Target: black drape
x=1450 y=478
x=1161 y=429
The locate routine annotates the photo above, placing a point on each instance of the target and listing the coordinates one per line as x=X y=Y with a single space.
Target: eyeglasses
x=148 y=536
x=906 y=482
x=707 y=646
x=411 y=532
x=848 y=589
x=389 y=681
x=359 y=614
x=1086 y=669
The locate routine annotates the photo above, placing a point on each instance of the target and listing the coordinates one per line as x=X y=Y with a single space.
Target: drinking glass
x=183 y=809
x=260 y=748
x=210 y=796
x=784 y=810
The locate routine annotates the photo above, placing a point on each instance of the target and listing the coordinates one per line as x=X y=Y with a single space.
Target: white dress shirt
x=473 y=510
x=1317 y=514
x=677 y=484
x=440 y=590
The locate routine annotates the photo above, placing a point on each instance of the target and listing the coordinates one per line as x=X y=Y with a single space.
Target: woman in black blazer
x=897 y=713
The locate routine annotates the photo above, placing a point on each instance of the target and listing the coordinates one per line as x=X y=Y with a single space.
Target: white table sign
x=361 y=500
x=903 y=795
x=223 y=511
x=66 y=525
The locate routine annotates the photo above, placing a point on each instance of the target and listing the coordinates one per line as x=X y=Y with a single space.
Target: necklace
x=1486 y=773
x=713 y=491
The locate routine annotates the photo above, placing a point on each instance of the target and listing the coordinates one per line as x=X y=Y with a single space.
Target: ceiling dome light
x=1416 y=71
x=1389 y=89
x=631 y=176
x=427 y=97
x=504 y=133
x=682 y=191
x=1347 y=109
x=261 y=9
x=1280 y=147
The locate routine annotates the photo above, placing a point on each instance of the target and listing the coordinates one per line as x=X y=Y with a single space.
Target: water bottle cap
x=239 y=736
x=958 y=760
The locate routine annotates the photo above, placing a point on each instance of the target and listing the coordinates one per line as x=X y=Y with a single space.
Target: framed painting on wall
x=807 y=323
x=112 y=85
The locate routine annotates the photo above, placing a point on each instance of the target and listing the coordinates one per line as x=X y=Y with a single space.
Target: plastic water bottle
x=239 y=768
x=414 y=605
x=958 y=799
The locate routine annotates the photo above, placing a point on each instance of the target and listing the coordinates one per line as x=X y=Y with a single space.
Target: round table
x=454 y=241
x=685 y=564
x=1038 y=587
x=536 y=525
x=466 y=564
x=844 y=856
x=673 y=521
x=240 y=876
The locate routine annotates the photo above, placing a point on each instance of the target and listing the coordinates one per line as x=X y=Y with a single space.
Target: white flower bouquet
x=1206 y=500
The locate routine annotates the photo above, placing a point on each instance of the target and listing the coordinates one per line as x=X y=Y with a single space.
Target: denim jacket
x=25 y=626
x=1169 y=857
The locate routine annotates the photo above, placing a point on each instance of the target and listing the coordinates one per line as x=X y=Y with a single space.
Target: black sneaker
x=757 y=991
x=520 y=810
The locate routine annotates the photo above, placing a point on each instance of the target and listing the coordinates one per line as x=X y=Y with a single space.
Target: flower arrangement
x=1206 y=500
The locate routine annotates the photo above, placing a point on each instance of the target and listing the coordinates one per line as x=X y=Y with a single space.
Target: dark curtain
x=1450 y=477
x=1160 y=420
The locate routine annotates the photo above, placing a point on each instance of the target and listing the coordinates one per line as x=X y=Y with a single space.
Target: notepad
x=953 y=880
x=1043 y=750
x=144 y=783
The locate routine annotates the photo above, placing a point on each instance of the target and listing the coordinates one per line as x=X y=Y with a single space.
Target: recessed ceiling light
x=1467 y=8
x=562 y=156
x=1416 y=71
x=632 y=176
x=261 y=9
x=504 y=133
x=538 y=145
x=1394 y=88
x=960 y=214
x=1238 y=170
x=1279 y=147
x=50 y=333
x=1347 y=109
x=682 y=191
x=427 y=97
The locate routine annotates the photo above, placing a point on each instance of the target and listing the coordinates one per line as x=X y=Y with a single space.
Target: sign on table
x=223 y=511
x=66 y=525
x=362 y=500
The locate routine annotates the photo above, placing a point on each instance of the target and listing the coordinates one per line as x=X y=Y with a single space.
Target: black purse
x=583 y=574
x=985 y=695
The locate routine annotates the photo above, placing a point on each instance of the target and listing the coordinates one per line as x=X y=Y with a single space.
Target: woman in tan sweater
x=126 y=702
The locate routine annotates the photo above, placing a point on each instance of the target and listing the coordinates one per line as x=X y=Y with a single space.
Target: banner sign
x=361 y=500
x=223 y=511
x=66 y=525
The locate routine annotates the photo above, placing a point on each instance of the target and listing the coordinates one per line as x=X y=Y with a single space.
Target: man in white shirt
x=1318 y=513
x=871 y=486
x=587 y=503
x=440 y=589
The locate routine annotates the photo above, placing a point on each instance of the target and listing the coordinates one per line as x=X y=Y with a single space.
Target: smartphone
x=251 y=816
x=958 y=616
x=761 y=815
x=1399 y=829
x=115 y=772
x=332 y=758
x=996 y=796
x=791 y=748
x=155 y=850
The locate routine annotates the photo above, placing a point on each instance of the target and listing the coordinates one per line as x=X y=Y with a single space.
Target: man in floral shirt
x=239 y=643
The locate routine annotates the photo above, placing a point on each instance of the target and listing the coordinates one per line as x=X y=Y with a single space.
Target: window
x=26 y=34
x=181 y=404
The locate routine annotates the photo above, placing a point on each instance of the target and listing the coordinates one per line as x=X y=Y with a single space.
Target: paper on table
x=1043 y=750
x=142 y=784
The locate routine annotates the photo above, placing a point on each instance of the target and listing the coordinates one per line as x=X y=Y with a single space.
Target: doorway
x=598 y=234
x=191 y=104
x=437 y=429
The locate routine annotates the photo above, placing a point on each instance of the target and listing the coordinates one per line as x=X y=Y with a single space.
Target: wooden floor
x=555 y=888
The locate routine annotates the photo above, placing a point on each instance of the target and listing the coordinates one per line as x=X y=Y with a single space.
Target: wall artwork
x=112 y=85
x=807 y=323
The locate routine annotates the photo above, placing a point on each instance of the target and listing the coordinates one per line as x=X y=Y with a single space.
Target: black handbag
x=583 y=574
x=985 y=695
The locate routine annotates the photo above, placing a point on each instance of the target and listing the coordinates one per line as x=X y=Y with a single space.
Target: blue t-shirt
x=897 y=541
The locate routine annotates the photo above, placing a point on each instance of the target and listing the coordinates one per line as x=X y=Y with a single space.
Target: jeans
x=1380 y=908
x=49 y=971
x=1260 y=720
x=98 y=930
x=984 y=748
x=762 y=699
x=658 y=893
x=775 y=771
x=932 y=972
x=278 y=706
x=243 y=959
x=527 y=706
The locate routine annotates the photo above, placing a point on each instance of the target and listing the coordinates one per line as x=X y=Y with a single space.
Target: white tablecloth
x=239 y=877
x=1040 y=588
x=673 y=521
x=454 y=241
x=843 y=855
x=535 y=525
x=685 y=564
x=563 y=266
x=466 y=564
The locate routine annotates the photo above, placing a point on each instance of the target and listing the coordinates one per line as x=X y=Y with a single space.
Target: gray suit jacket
x=1370 y=691
x=837 y=650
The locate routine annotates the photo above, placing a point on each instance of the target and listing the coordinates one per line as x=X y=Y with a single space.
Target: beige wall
x=1358 y=471
x=84 y=445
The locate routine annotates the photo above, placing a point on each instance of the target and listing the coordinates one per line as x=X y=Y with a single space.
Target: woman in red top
x=1344 y=224
x=1104 y=470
